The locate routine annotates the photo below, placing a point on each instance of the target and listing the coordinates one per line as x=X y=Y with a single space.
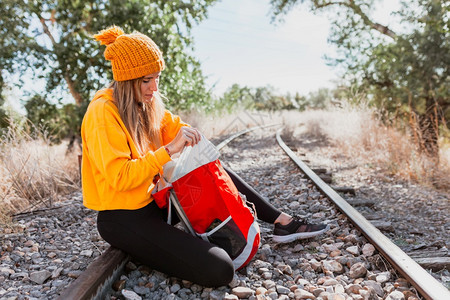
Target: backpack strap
x=173 y=199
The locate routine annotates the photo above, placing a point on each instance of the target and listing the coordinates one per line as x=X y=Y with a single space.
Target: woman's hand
x=186 y=136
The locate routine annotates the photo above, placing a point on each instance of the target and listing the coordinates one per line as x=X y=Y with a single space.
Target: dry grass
x=226 y=124
x=33 y=173
x=358 y=135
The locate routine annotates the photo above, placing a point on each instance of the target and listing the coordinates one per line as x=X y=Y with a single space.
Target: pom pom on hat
x=109 y=35
x=132 y=55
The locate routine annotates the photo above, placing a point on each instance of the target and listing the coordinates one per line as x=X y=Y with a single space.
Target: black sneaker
x=297 y=229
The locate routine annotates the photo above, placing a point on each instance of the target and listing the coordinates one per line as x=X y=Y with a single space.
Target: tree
x=259 y=98
x=301 y=102
x=265 y=99
x=319 y=99
x=405 y=74
x=53 y=38
x=40 y=111
x=236 y=96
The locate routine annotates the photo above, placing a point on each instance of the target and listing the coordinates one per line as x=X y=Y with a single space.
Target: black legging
x=145 y=235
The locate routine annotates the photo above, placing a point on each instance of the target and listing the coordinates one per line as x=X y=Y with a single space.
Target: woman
x=128 y=136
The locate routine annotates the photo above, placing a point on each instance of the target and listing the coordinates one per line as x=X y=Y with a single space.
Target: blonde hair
x=143 y=120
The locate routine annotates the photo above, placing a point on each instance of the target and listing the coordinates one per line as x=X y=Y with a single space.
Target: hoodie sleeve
x=109 y=151
x=170 y=126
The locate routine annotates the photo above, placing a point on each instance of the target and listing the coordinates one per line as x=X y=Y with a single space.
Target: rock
x=332 y=247
x=283 y=290
x=28 y=243
x=235 y=282
x=40 y=276
x=265 y=252
x=74 y=273
x=205 y=292
x=285 y=269
x=395 y=295
x=172 y=296
x=260 y=291
x=368 y=250
x=339 y=289
x=336 y=296
x=318 y=291
x=130 y=295
x=141 y=290
x=351 y=238
x=324 y=295
x=298 y=248
x=273 y=295
x=401 y=282
x=119 y=285
x=145 y=270
x=335 y=253
x=330 y=282
x=292 y=288
x=332 y=266
x=18 y=275
x=175 y=288
x=242 y=292
x=230 y=297
x=368 y=294
x=353 y=250
x=315 y=265
x=130 y=266
x=353 y=288
x=302 y=294
x=216 y=295
x=196 y=288
x=268 y=284
x=383 y=277
x=7 y=270
x=357 y=270
x=56 y=272
x=375 y=286
x=321 y=280
x=409 y=295
x=87 y=253
x=294 y=205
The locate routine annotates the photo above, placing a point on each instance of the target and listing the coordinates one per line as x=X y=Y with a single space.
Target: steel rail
x=239 y=133
x=425 y=284
x=93 y=282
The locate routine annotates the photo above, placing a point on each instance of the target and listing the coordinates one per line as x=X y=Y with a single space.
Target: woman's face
x=149 y=85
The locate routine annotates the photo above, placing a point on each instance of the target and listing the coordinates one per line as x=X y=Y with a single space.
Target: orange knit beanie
x=132 y=55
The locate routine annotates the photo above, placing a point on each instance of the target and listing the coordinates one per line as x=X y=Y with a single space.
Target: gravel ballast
x=55 y=246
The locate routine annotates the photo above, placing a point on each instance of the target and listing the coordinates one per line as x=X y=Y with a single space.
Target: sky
x=238 y=43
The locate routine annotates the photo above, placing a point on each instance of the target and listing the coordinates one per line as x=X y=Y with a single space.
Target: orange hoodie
x=114 y=175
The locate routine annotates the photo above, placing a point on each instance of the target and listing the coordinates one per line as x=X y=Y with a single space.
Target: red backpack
x=208 y=203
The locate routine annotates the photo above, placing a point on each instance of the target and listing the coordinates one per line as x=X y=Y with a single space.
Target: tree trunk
x=430 y=133
x=426 y=129
x=77 y=96
x=2 y=85
x=73 y=91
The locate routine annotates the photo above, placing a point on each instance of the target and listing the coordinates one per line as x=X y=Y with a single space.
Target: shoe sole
x=298 y=236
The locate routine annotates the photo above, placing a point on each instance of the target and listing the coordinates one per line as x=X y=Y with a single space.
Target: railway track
x=99 y=276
